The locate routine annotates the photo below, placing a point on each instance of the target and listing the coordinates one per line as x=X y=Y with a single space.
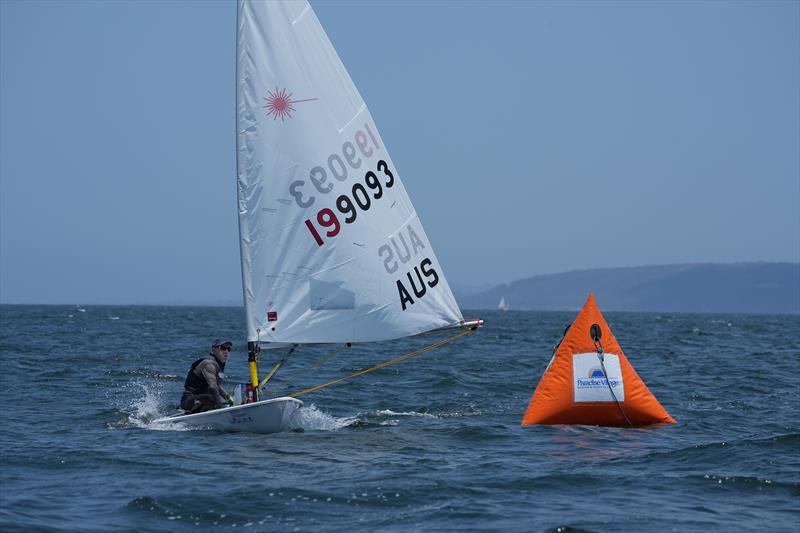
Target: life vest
x=196 y=384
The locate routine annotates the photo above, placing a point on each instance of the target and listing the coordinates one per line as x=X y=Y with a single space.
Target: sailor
x=203 y=388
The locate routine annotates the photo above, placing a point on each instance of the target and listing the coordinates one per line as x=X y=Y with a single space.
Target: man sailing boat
x=203 y=390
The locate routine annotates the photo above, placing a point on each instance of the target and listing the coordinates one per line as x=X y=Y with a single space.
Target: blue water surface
x=433 y=443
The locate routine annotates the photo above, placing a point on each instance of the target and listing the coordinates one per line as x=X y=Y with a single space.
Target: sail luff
x=241 y=188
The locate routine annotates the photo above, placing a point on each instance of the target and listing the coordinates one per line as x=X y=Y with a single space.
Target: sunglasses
x=226 y=348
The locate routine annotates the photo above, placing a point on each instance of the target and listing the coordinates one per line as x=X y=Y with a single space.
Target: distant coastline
x=757 y=288
x=763 y=288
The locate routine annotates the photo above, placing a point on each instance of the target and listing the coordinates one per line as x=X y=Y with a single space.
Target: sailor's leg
x=197 y=403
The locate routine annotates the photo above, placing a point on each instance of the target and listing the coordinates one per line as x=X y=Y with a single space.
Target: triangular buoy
x=574 y=388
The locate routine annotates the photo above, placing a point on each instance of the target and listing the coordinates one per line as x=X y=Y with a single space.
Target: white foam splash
x=389 y=412
x=144 y=407
x=309 y=418
x=167 y=426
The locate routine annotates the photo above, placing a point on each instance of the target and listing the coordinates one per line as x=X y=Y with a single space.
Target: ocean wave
x=748 y=453
x=389 y=412
x=748 y=481
x=143 y=373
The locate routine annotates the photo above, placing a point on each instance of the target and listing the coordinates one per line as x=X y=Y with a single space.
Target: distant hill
x=717 y=288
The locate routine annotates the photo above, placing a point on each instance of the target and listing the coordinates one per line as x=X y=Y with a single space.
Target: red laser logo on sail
x=280 y=104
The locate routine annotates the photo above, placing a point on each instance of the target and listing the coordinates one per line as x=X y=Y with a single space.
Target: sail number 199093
x=360 y=197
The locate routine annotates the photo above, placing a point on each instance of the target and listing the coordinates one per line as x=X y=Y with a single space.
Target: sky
x=532 y=137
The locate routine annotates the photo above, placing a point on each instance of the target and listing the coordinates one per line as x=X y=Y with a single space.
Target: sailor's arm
x=210 y=375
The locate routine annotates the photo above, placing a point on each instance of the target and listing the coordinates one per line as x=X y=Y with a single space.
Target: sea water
x=433 y=443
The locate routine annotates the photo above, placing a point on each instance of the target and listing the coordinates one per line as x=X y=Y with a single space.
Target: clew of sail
x=332 y=248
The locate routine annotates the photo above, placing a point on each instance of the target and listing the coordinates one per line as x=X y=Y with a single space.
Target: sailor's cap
x=221 y=341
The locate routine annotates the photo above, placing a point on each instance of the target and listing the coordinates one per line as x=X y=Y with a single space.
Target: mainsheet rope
x=409 y=355
x=311 y=367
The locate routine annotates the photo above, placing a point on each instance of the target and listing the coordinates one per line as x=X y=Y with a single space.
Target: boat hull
x=266 y=416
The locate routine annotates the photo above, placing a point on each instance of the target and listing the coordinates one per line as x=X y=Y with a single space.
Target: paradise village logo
x=280 y=104
x=596 y=380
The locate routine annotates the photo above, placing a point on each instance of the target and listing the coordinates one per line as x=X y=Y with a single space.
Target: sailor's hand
x=228 y=399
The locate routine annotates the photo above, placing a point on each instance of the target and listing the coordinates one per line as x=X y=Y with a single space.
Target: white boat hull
x=266 y=416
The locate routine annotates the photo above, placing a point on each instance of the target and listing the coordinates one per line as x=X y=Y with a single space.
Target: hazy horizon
x=461 y=290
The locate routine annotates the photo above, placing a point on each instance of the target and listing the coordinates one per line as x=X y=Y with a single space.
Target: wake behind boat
x=265 y=416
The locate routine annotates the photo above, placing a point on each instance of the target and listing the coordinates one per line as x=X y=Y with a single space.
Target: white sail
x=503 y=305
x=332 y=248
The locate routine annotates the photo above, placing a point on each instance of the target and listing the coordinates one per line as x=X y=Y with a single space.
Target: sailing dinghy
x=332 y=250
x=266 y=416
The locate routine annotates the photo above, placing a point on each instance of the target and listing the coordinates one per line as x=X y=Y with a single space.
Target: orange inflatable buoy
x=590 y=381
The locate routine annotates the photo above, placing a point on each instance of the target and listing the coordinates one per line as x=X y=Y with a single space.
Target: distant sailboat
x=503 y=305
x=332 y=249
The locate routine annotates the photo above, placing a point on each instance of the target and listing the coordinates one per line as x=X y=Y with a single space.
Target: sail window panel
x=330 y=295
